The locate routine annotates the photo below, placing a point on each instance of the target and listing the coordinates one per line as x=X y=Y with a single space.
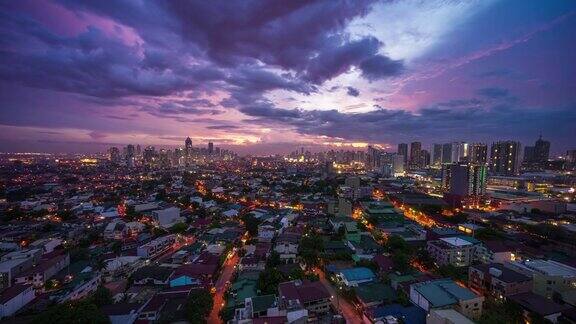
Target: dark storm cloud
x=380 y=67
x=351 y=91
x=437 y=121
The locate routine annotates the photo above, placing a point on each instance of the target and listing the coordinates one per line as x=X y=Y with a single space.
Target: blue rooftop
x=443 y=292
x=357 y=274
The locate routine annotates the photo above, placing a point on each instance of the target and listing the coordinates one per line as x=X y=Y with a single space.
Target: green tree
x=102 y=296
x=269 y=280
x=310 y=248
x=198 y=306
x=179 y=228
x=251 y=223
x=401 y=262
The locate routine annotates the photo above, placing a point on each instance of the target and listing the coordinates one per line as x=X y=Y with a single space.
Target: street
x=226 y=275
x=347 y=310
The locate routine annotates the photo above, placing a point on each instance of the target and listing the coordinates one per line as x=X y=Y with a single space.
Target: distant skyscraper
x=437 y=154
x=478 y=153
x=188 y=145
x=403 y=150
x=210 y=148
x=130 y=155
x=505 y=158
x=571 y=158
x=541 y=150
x=459 y=151
x=398 y=164
x=464 y=180
x=447 y=153
x=416 y=155
x=529 y=154
x=114 y=155
x=424 y=158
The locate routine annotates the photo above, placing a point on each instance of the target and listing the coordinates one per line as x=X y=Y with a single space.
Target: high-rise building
x=437 y=154
x=403 y=150
x=398 y=164
x=464 y=180
x=529 y=154
x=149 y=155
x=114 y=155
x=505 y=158
x=210 y=148
x=571 y=158
x=130 y=155
x=424 y=159
x=541 y=150
x=447 y=153
x=415 y=155
x=459 y=152
x=478 y=153
x=188 y=146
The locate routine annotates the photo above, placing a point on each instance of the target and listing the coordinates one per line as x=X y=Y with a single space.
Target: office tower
x=130 y=155
x=460 y=181
x=415 y=155
x=403 y=150
x=459 y=151
x=541 y=150
x=437 y=154
x=149 y=155
x=571 y=158
x=372 y=158
x=529 y=154
x=447 y=153
x=505 y=158
x=210 y=148
x=188 y=146
x=114 y=155
x=138 y=151
x=424 y=159
x=478 y=153
x=398 y=164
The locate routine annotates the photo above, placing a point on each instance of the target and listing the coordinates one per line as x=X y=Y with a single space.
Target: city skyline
x=80 y=77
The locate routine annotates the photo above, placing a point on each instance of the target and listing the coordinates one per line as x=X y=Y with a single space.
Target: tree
x=102 y=296
x=396 y=243
x=310 y=248
x=72 y=313
x=178 y=228
x=251 y=224
x=199 y=305
x=401 y=262
x=269 y=280
x=273 y=261
x=496 y=312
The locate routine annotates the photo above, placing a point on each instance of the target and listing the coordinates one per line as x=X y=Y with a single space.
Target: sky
x=271 y=76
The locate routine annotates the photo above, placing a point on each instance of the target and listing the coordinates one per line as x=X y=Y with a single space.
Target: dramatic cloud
x=113 y=71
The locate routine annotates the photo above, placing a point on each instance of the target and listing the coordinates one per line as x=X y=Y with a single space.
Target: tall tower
x=415 y=154
x=505 y=158
x=210 y=148
x=403 y=150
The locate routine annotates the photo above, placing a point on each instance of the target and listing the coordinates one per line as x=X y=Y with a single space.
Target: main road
x=220 y=286
x=347 y=310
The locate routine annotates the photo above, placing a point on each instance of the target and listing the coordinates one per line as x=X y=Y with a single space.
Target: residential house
x=312 y=296
x=536 y=304
x=152 y=275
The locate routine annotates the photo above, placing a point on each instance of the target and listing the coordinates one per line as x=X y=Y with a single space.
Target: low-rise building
x=496 y=280
x=14 y=298
x=458 y=251
x=445 y=293
x=156 y=246
x=312 y=296
x=354 y=276
x=548 y=276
